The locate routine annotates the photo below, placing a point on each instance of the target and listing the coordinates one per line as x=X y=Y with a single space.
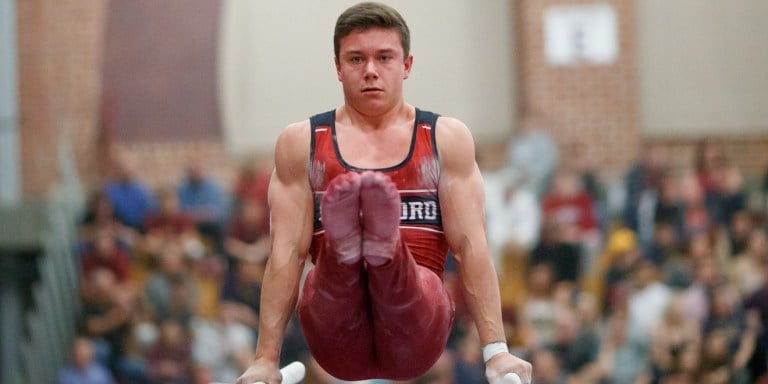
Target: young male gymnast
x=376 y=192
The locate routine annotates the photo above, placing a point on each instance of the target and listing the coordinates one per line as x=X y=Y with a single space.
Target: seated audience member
x=675 y=341
x=100 y=214
x=621 y=359
x=557 y=248
x=131 y=199
x=726 y=196
x=642 y=180
x=539 y=310
x=247 y=237
x=575 y=346
x=170 y=224
x=513 y=216
x=252 y=184
x=241 y=293
x=696 y=296
x=746 y=272
x=730 y=335
x=547 y=367
x=169 y=360
x=567 y=202
x=169 y=291
x=104 y=252
x=533 y=151
x=756 y=305
x=739 y=232
x=84 y=368
x=205 y=202
x=696 y=217
x=468 y=361
x=107 y=313
x=647 y=300
x=223 y=345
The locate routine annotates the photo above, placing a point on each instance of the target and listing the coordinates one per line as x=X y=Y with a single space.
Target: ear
x=338 y=67
x=408 y=65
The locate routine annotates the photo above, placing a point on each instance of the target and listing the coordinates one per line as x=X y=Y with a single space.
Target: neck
x=378 y=120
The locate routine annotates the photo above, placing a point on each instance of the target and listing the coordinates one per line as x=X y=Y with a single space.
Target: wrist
x=493 y=349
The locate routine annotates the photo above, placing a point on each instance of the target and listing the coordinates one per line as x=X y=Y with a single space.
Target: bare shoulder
x=454 y=141
x=292 y=150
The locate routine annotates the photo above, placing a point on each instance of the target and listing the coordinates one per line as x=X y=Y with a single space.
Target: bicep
x=290 y=196
x=462 y=199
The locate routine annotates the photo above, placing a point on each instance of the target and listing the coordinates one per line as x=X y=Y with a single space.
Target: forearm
x=278 y=301
x=481 y=293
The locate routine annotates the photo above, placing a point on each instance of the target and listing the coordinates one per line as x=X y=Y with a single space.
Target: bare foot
x=380 y=207
x=340 y=212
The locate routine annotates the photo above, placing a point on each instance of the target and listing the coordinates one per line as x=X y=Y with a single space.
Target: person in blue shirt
x=204 y=200
x=132 y=199
x=84 y=369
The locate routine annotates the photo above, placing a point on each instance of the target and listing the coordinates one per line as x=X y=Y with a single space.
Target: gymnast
x=375 y=193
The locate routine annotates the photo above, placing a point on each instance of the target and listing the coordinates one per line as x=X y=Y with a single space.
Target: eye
x=356 y=60
x=385 y=58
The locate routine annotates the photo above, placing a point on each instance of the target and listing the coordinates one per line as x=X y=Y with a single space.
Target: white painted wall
x=276 y=65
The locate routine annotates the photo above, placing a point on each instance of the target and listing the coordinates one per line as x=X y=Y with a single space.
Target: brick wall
x=589 y=106
x=60 y=53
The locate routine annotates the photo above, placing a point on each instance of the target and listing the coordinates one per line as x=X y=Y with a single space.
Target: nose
x=370 y=70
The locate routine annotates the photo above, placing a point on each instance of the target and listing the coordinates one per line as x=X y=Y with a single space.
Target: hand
x=261 y=371
x=504 y=363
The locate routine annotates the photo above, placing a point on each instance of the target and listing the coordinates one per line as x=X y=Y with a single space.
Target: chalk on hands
x=292 y=373
x=511 y=378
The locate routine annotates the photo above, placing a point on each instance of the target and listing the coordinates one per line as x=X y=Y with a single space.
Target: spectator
x=641 y=182
x=696 y=297
x=105 y=253
x=130 y=198
x=556 y=247
x=539 y=310
x=107 y=313
x=169 y=291
x=568 y=205
x=241 y=293
x=696 y=217
x=252 y=185
x=247 y=237
x=675 y=341
x=726 y=196
x=730 y=335
x=622 y=358
x=547 y=367
x=514 y=216
x=84 y=369
x=647 y=299
x=223 y=345
x=170 y=224
x=205 y=202
x=739 y=232
x=533 y=152
x=169 y=360
x=757 y=306
x=746 y=272
x=575 y=346
x=100 y=214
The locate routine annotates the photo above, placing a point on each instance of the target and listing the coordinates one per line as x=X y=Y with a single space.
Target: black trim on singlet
x=329 y=119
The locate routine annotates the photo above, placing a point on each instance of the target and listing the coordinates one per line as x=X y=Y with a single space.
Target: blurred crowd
x=658 y=278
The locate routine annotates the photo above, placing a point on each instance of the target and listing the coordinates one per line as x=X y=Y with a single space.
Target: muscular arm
x=290 y=200
x=462 y=206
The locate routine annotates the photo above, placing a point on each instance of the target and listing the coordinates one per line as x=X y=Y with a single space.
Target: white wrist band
x=493 y=349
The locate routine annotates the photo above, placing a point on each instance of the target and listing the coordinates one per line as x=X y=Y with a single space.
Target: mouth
x=371 y=90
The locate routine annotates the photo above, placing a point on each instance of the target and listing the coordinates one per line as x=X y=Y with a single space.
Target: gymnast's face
x=371 y=68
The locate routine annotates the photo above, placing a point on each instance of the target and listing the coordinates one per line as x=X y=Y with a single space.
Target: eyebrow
x=360 y=52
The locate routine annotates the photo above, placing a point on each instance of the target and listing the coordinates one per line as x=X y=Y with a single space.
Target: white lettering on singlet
x=418 y=210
